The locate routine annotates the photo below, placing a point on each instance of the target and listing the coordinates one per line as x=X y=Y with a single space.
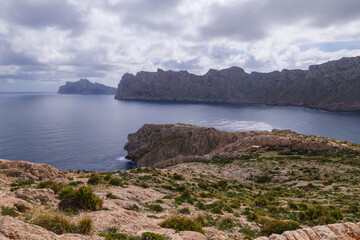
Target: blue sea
x=89 y=132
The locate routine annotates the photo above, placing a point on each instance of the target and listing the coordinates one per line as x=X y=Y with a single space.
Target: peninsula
x=332 y=86
x=85 y=87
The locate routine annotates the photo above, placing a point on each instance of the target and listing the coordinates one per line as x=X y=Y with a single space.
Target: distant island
x=332 y=86
x=84 y=86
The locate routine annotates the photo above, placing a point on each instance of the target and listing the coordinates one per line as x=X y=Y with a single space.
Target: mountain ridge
x=331 y=86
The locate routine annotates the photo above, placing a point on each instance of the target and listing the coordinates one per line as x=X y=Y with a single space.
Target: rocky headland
x=193 y=183
x=163 y=145
x=332 y=86
x=85 y=87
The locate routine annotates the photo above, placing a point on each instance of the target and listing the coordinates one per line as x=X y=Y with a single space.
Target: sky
x=44 y=43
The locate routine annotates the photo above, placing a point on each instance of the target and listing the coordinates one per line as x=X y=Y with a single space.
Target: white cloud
x=105 y=39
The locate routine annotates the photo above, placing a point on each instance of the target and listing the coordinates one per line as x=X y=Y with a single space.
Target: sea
x=88 y=132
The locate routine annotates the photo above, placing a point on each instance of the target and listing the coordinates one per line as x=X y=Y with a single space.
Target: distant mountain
x=84 y=86
x=333 y=86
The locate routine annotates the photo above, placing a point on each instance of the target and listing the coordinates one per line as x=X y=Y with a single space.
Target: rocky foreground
x=332 y=86
x=244 y=185
x=85 y=87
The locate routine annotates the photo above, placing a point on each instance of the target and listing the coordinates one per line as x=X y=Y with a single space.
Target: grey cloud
x=9 y=57
x=159 y=15
x=40 y=14
x=252 y=20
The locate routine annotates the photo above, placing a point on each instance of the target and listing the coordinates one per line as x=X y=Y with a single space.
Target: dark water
x=89 y=132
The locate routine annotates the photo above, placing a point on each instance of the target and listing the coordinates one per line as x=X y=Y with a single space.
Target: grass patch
x=181 y=224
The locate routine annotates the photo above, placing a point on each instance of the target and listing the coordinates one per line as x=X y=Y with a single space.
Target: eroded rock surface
x=169 y=144
x=338 y=231
x=29 y=170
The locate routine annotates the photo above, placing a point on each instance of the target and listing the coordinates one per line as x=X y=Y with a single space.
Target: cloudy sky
x=44 y=43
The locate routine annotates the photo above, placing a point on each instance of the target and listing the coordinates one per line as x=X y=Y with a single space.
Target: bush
x=184 y=211
x=111 y=196
x=115 y=182
x=226 y=223
x=181 y=224
x=156 y=208
x=94 y=179
x=292 y=205
x=83 y=198
x=320 y=215
x=56 y=187
x=152 y=236
x=7 y=211
x=277 y=226
x=60 y=224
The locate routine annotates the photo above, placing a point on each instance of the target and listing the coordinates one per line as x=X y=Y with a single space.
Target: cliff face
x=169 y=144
x=331 y=86
x=84 y=86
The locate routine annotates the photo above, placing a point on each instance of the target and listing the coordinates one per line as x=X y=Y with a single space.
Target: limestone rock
x=164 y=145
x=44 y=195
x=29 y=170
x=12 y=228
x=331 y=86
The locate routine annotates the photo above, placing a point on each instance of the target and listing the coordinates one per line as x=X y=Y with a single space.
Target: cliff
x=164 y=145
x=332 y=86
x=84 y=86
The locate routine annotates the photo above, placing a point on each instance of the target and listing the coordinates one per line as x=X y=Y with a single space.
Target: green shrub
x=181 y=224
x=156 y=208
x=320 y=215
x=152 y=236
x=277 y=226
x=83 y=198
x=60 y=224
x=70 y=211
x=226 y=223
x=56 y=187
x=8 y=211
x=261 y=201
x=111 y=196
x=115 y=182
x=292 y=205
x=184 y=211
x=94 y=179
x=177 y=177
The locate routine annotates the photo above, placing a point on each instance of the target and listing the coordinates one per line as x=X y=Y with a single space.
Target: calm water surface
x=89 y=132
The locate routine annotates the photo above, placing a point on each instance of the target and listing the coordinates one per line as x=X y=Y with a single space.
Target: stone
x=325 y=232
x=12 y=228
x=24 y=169
x=311 y=233
x=339 y=229
x=355 y=229
x=190 y=235
x=44 y=195
x=277 y=237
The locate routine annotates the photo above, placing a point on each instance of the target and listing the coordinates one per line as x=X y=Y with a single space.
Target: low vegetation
x=60 y=224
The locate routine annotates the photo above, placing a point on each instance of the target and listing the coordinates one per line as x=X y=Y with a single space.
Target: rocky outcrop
x=331 y=86
x=169 y=144
x=24 y=169
x=337 y=231
x=12 y=228
x=84 y=86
